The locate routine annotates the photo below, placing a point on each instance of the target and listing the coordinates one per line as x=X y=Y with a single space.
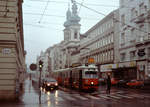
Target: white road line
x=69 y=98
x=113 y=96
x=92 y=97
x=141 y=96
x=120 y=92
x=124 y=96
x=59 y=99
x=81 y=97
x=104 y=96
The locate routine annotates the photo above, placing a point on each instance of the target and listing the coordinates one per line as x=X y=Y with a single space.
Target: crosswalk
x=113 y=96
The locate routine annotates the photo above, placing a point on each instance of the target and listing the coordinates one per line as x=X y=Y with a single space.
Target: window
x=123 y=20
x=133 y=35
x=75 y=35
x=132 y=55
x=122 y=38
x=123 y=56
x=141 y=8
x=132 y=13
x=141 y=38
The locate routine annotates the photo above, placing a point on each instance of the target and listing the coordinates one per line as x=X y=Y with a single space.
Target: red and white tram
x=81 y=77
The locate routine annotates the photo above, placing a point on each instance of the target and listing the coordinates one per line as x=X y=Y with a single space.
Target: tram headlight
x=92 y=83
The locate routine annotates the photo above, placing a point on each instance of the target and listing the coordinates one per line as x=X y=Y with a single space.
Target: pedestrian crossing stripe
x=116 y=97
x=141 y=96
x=124 y=96
x=104 y=96
x=59 y=99
x=69 y=98
x=92 y=97
x=81 y=97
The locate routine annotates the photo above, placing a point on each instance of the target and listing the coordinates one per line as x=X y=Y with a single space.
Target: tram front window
x=91 y=74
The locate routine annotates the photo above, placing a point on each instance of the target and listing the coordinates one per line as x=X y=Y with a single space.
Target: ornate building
x=12 y=54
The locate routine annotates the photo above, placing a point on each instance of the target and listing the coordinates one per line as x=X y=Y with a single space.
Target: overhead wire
x=57 y=16
x=80 y=6
x=44 y=10
x=113 y=18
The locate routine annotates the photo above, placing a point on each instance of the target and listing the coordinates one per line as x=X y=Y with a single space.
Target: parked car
x=122 y=83
x=102 y=81
x=50 y=84
x=135 y=83
x=114 y=81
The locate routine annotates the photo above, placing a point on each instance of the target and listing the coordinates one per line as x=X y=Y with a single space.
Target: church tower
x=72 y=26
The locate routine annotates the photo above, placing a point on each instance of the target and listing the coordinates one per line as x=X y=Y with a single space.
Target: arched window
x=75 y=35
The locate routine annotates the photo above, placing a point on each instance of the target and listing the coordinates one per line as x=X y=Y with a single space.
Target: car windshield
x=51 y=80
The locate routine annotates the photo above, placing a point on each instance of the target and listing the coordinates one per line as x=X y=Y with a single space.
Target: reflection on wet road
x=71 y=98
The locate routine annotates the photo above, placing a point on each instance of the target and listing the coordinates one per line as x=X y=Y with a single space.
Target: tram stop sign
x=33 y=67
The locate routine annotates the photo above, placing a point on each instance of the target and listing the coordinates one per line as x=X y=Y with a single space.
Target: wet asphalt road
x=71 y=98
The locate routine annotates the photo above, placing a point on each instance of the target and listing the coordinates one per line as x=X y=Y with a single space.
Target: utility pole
x=40 y=69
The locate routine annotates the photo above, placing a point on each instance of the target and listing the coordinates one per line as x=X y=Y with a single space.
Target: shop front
x=125 y=70
x=105 y=69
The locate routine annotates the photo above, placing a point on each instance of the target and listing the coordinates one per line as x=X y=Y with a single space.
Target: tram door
x=80 y=79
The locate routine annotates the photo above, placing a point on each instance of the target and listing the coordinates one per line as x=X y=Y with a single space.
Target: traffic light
x=40 y=65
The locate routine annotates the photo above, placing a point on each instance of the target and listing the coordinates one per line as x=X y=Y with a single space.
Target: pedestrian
x=108 y=83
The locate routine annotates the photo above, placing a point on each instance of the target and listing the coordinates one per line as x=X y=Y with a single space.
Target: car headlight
x=48 y=84
x=56 y=84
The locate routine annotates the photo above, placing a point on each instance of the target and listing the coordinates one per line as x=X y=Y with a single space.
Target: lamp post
x=40 y=69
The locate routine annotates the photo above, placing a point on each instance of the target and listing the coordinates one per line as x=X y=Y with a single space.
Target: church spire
x=75 y=18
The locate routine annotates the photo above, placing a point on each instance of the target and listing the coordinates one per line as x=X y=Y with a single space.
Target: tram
x=81 y=77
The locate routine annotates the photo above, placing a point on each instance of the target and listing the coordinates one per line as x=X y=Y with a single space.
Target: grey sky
x=42 y=31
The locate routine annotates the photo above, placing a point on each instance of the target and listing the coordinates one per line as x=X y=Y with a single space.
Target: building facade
x=102 y=43
x=12 y=54
x=134 y=38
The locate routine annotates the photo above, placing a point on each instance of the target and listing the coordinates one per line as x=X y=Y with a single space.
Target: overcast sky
x=44 y=19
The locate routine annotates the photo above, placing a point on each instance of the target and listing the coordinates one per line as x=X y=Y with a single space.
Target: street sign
x=141 y=52
x=33 y=67
x=6 y=51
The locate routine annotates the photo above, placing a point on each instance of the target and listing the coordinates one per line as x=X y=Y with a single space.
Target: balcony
x=140 y=19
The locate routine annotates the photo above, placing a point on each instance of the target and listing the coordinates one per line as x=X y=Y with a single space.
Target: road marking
x=81 y=97
x=59 y=99
x=104 y=96
x=69 y=98
x=113 y=96
x=120 y=92
x=124 y=96
x=141 y=96
x=92 y=97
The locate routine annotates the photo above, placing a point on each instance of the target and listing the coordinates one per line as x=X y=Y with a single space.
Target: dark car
x=50 y=84
x=147 y=84
x=122 y=83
